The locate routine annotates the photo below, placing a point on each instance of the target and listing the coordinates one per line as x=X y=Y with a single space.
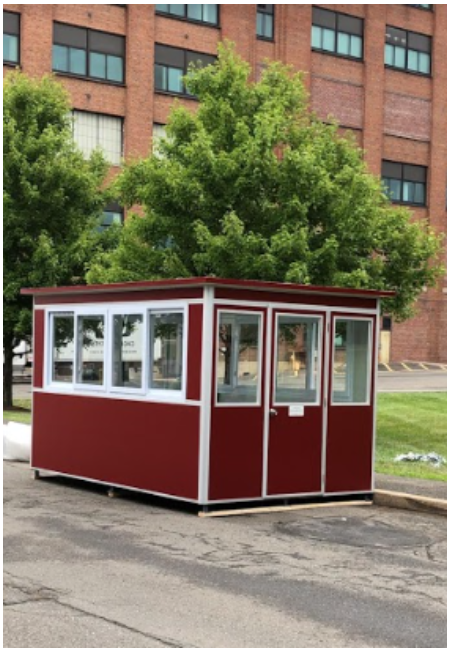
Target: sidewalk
x=432 y=489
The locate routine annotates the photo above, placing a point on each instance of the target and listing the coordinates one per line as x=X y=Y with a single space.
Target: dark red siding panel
x=328 y=300
x=194 y=352
x=148 y=446
x=122 y=296
x=349 y=449
x=38 y=348
x=295 y=448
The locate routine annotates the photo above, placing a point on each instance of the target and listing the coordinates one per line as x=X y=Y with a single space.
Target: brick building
x=380 y=70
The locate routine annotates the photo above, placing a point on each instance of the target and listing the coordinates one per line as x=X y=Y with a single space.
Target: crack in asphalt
x=168 y=643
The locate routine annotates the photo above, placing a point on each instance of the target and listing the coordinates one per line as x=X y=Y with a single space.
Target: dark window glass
x=265 y=21
x=88 y=53
x=404 y=183
x=11 y=37
x=408 y=51
x=428 y=7
x=197 y=13
x=172 y=64
x=337 y=33
x=386 y=323
x=112 y=214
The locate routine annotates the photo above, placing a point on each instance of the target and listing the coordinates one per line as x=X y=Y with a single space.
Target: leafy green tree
x=253 y=185
x=51 y=201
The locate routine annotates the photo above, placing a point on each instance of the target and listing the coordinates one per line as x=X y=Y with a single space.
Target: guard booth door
x=296 y=411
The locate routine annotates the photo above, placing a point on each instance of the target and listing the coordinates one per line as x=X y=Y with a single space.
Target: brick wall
x=393 y=114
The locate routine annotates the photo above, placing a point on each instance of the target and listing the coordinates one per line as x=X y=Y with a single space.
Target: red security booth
x=207 y=390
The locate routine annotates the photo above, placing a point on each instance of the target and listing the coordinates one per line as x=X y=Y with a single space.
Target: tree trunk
x=8 y=355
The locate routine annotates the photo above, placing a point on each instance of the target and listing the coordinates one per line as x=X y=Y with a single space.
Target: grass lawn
x=21 y=412
x=410 y=422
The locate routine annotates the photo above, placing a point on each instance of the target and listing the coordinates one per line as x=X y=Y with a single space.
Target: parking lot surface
x=83 y=570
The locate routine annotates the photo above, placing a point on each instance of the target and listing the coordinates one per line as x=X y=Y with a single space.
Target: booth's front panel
x=292 y=403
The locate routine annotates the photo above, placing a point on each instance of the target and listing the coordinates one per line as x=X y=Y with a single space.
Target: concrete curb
x=415 y=502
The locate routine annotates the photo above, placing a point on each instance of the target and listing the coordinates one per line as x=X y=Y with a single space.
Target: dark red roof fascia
x=256 y=285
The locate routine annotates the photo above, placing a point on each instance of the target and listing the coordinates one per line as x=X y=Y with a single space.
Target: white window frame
x=48 y=361
x=128 y=311
x=369 y=374
x=146 y=308
x=89 y=312
x=241 y=312
x=320 y=319
x=162 y=394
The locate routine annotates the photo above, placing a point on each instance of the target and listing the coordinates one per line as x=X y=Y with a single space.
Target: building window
x=158 y=134
x=11 y=37
x=88 y=53
x=408 y=51
x=265 y=21
x=207 y=14
x=337 y=33
x=95 y=131
x=404 y=183
x=172 y=64
x=112 y=214
x=428 y=7
x=128 y=334
x=166 y=351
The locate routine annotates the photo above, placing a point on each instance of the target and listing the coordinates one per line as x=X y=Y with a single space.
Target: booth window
x=351 y=367
x=62 y=369
x=91 y=350
x=166 y=350
x=238 y=360
x=297 y=360
x=127 y=350
x=11 y=36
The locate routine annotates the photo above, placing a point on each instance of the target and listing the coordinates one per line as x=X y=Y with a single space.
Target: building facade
x=379 y=70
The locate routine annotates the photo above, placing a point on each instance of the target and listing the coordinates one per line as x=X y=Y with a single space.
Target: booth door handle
x=273 y=413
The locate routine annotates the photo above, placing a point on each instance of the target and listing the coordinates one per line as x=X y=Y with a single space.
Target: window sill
x=10 y=64
x=167 y=93
x=266 y=39
x=409 y=205
x=339 y=56
x=104 y=82
x=427 y=75
x=201 y=23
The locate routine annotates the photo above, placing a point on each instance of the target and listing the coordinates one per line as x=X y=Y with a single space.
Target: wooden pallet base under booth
x=282 y=508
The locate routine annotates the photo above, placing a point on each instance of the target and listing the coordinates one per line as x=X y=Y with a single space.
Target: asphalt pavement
x=86 y=571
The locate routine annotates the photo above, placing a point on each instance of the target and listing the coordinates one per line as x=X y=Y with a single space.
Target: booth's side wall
x=38 y=348
x=147 y=446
